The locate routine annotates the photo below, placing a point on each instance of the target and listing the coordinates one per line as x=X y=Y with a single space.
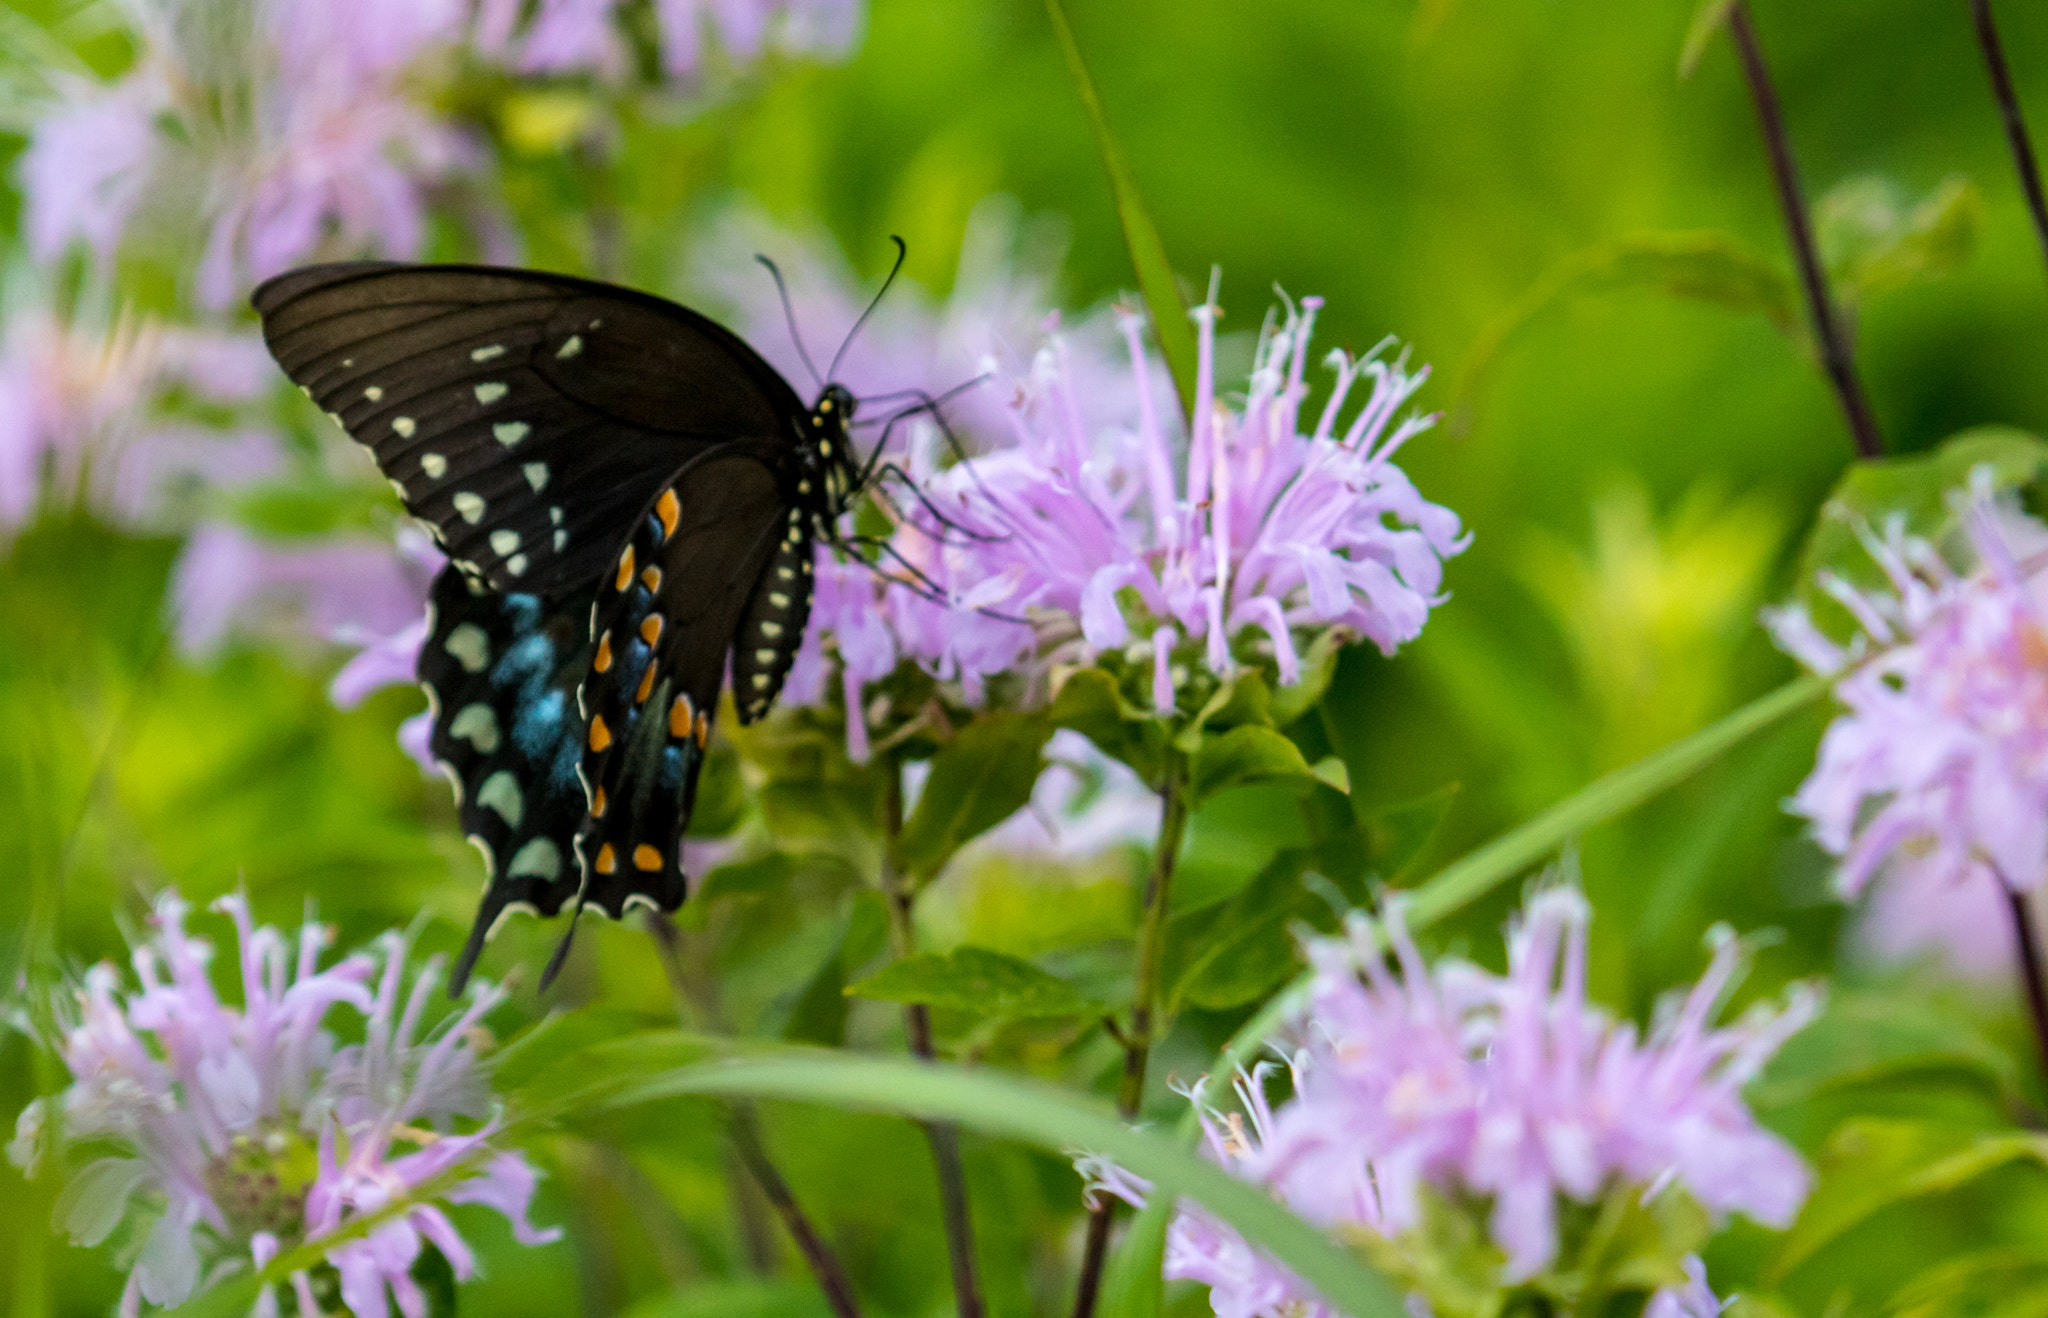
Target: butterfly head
x=830 y=449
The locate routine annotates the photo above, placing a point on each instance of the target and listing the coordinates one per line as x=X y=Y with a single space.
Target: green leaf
x=981 y=778
x=1468 y=879
x=1874 y=241
x=1170 y=328
x=1133 y=1285
x=1709 y=18
x=1246 y=947
x=1246 y=754
x=1694 y=265
x=749 y=1297
x=1401 y=832
x=1287 y=703
x=1091 y=703
x=1012 y=1108
x=976 y=980
x=1873 y=1163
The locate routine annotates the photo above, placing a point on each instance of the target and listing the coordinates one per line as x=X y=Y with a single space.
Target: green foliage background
x=1639 y=466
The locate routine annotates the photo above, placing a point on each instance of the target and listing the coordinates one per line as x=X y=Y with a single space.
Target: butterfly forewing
x=525 y=417
x=663 y=624
x=501 y=672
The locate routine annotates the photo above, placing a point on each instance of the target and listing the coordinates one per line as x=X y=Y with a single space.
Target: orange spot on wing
x=597 y=804
x=607 y=859
x=646 y=683
x=650 y=628
x=650 y=577
x=625 y=569
x=668 y=509
x=600 y=735
x=703 y=728
x=603 y=662
x=679 y=715
x=646 y=857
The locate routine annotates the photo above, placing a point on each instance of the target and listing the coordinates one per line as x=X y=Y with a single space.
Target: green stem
x=1138 y=1040
x=943 y=1136
x=697 y=994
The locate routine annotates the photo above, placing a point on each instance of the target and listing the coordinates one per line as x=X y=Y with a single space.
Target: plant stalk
x=1837 y=355
x=943 y=1136
x=2009 y=110
x=2033 y=980
x=697 y=995
x=1138 y=1039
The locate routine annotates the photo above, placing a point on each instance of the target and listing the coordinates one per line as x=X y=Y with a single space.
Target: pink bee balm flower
x=1234 y=548
x=1936 y=773
x=249 y=1130
x=1947 y=722
x=1511 y=1093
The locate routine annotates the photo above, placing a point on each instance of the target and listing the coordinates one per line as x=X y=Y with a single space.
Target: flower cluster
x=290 y=126
x=1094 y=531
x=80 y=422
x=1508 y=1093
x=248 y=1131
x=1936 y=773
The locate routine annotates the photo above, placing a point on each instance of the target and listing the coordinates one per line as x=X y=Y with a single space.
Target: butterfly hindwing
x=771 y=630
x=525 y=417
x=501 y=672
x=664 y=621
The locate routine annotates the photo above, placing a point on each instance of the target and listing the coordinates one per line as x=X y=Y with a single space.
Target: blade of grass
x=1011 y=1108
x=1170 y=328
x=1466 y=880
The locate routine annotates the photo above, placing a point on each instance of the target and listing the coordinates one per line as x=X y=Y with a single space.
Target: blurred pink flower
x=1936 y=771
x=1695 y=1299
x=280 y=132
x=572 y=36
x=88 y=165
x=78 y=421
x=1511 y=1089
x=249 y=1130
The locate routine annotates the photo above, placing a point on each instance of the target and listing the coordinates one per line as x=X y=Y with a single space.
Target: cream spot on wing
x=761 y=681
x=771 y=630
x=561 y=540
x=469 y=645
x=470 y=505
x=555 y=514
x=508 y=432
x=538 y=859
x=778 y=599
x=570 y=346
x=403 y=426
x=434 y=465
x=501 y=793
x=504 y=540
x=373 y=393
x=490 y=391
x=478 y=725
x=516 y=565
x=486 y=354
x=536 y=475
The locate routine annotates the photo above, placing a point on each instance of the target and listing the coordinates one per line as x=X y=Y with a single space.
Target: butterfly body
x=630 y=498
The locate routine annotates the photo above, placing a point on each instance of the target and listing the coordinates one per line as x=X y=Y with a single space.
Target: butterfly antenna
x=789 y=314
x=901 y=253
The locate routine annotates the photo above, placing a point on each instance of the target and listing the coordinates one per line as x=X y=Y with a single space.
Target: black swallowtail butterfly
x=628 y=494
